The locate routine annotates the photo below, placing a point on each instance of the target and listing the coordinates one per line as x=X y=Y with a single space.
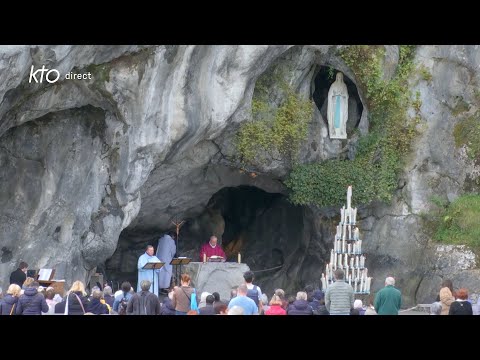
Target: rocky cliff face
x=149 y=138
x=397 y=238
x=76 y=153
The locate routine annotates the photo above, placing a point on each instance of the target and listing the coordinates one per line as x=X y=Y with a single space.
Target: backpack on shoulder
x=253 y=294
x=193 y=301
x=122 y=307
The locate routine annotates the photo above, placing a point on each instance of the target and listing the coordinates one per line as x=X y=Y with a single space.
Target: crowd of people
x=28 y=298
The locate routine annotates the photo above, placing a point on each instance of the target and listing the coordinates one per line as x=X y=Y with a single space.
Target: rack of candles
x=347 y=252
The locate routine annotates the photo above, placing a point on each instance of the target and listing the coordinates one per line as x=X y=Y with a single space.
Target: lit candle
x=354 y=215
x=350 y=280
x=351 y=262
x=339 y=260
x=349 y=196
x=342 y=215
x=354 y=248
x=346 y=270
x=359 y=246
x=362 y=261
x=356 y=261
x=324 y=282
x=346 y=260
x=239 y=258
x=349 y=232
x=331 y=256
x=356 y=233
x=335 y=245
x=343 y=245
x=335 y=259
x=355 y=290
x=369 y=281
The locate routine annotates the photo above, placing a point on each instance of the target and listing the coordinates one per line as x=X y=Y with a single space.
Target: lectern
x=179 y=261
x=44 y=278
x=154 y=266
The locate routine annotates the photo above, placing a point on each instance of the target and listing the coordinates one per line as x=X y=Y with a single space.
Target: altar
x=215 y=276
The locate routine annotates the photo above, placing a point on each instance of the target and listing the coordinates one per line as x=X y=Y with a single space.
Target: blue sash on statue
x=337 y=112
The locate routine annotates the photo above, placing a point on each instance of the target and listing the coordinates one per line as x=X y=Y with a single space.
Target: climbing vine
x=380 y=154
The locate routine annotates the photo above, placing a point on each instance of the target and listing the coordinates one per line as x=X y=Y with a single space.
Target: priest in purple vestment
x=212 y=249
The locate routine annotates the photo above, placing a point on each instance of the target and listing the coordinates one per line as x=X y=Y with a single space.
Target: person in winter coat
x=167 y=307
x=275 y=307
x=20 y=275
x=446 y=296
x=461 y=306
x=31 y=302
x=300 y=306
x=10 y=300
x=144 y=302
x=317 y=295
x=96 y=307
x=77 y=300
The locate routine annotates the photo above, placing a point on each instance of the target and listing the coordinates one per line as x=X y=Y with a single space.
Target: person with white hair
x=236 y=310
x=265 y=305
x=107 y=295
x=388 y=300
x=300 y=305
x=203 y=299
x=358 y=306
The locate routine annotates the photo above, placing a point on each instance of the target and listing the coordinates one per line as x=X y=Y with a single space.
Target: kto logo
x=51 y=78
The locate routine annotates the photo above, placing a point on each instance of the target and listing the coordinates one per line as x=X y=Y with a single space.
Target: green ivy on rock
x=274 y=132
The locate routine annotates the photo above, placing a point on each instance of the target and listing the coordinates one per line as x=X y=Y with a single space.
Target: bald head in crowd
x=242 y=290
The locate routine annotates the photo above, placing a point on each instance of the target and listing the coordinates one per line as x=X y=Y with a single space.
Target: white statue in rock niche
x=337 y=109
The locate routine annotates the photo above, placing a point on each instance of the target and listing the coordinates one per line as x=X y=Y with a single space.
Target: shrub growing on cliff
x=274 y=133
x=467 y=133
x=458 y=222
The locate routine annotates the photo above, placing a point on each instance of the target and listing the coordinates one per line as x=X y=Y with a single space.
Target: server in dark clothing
x=20 y=275
x=461 y=306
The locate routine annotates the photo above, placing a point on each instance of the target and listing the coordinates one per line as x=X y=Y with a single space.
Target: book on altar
x=215 y=258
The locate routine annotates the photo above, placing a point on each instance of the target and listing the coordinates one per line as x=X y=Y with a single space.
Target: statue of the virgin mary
x=337 y=109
